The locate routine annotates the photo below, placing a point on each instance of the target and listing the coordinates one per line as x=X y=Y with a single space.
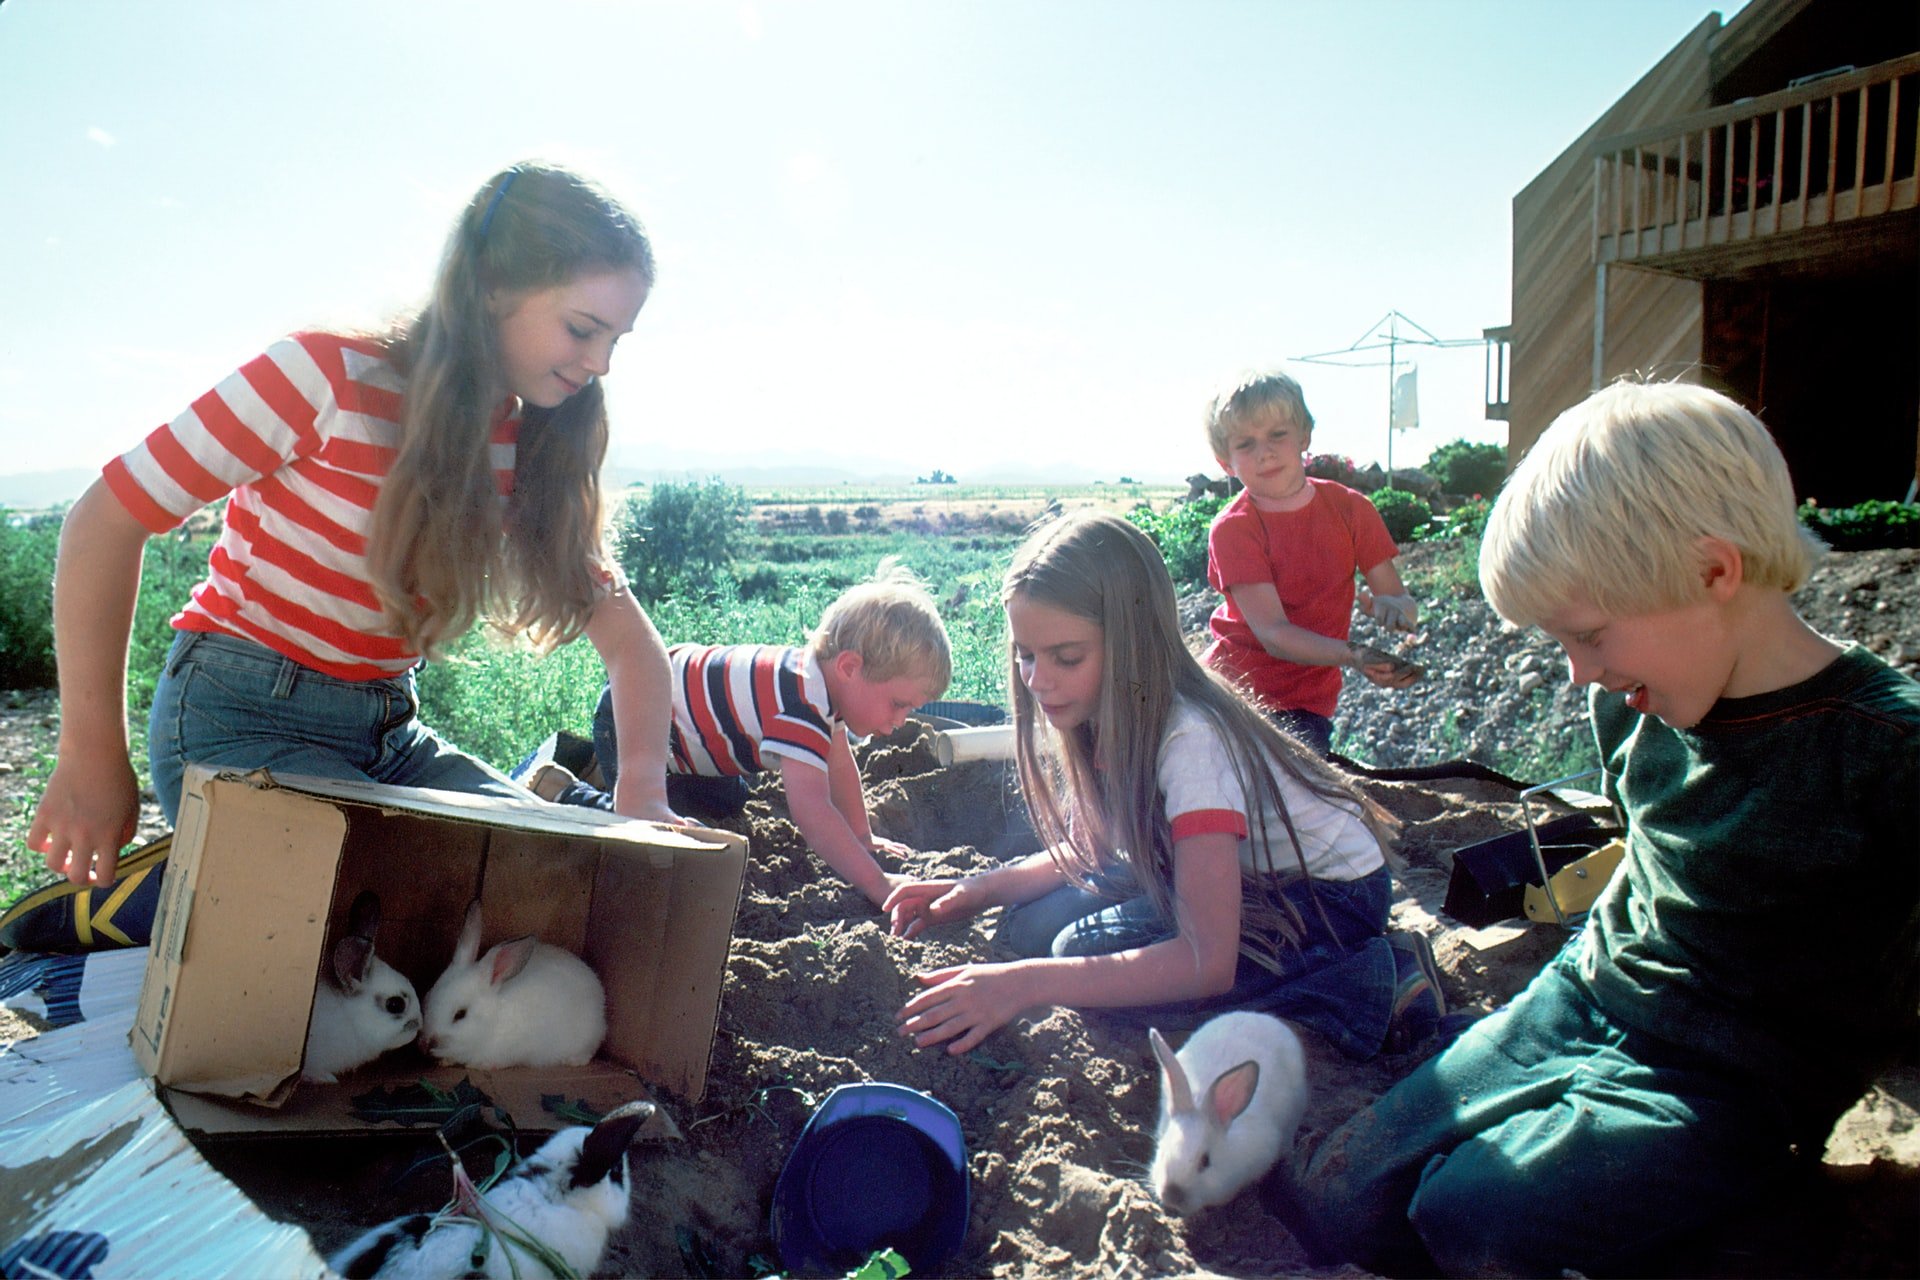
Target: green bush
x=1865 y=525
x=1466 y=469
x=1468 y=520
x=1406 y=514
x=1181 y=534
x=27 y=552
x=682 y=531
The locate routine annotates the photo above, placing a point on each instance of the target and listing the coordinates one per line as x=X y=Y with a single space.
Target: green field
x=499 y=700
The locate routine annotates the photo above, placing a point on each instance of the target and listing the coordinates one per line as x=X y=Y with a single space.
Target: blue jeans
x=232 y=703
x=1543 y=1138
x=1314 y=730
x=1339 y=981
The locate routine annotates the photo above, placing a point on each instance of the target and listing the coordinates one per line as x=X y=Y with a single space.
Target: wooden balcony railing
x=1838 y=149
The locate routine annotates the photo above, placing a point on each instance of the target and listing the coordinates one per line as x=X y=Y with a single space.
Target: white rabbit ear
x=467 y=949
x=1231 y=1093
x=509 y=958
x=1179 y=1092
x=352 y=957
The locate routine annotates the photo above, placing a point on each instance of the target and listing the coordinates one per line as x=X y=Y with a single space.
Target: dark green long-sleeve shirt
x=1765 y=914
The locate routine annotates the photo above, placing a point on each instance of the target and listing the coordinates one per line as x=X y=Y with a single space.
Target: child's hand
x=963 y=1005
x=915 y=904
x=880 y=844
x=1396 y=613
x=1388 y=670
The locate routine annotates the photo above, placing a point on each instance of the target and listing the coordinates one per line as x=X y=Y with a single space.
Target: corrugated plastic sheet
x=95 y=1177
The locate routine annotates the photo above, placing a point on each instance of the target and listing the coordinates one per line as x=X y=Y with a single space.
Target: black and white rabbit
x=557 y=1205
x=525 y=1003
x=1230 y=1102
x=363 y=1006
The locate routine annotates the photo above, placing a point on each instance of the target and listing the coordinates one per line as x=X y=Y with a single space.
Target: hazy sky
x=971 y=235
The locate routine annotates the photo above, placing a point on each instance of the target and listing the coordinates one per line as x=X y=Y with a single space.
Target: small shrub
x=763 y=583
x=681 y=530
x=837 y=520
x=1334 y=466
x=1865 y=525
x=1406 y=514
x=1466 y=469
x=1181 y=534
x=1468 y=520
x=27 y=553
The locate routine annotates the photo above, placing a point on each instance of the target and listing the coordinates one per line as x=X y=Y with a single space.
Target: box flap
x=530 y=814
x=531 y=1097
x=244 y=918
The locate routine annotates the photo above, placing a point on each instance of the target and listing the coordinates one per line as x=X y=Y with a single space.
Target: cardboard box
x=263 y=871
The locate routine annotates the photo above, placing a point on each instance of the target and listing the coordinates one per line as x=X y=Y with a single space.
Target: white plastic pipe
x=984 y=742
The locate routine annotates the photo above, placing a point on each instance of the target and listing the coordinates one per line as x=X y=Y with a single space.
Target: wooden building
x=1746 y=217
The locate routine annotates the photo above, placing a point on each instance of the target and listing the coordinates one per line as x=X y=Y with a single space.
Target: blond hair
x=1099 y=567
x=1255 y=402
x=1609 y=506
x=892 y=623
x=443 y=551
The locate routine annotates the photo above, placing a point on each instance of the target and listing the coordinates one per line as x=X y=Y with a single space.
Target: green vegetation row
x=709 y=571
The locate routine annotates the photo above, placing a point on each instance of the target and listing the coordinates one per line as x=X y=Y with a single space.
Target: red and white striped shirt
x=741 y=708
x=301 y=438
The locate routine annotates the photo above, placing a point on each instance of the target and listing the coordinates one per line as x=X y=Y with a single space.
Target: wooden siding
x=1653 y=321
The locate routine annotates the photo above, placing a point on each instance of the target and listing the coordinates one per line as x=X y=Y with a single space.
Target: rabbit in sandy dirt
x=363 y=1006
x=525 y=1003
x=1230 y=1102
x=550 y=1215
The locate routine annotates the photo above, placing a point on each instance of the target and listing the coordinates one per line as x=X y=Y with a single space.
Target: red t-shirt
x=1310 y=557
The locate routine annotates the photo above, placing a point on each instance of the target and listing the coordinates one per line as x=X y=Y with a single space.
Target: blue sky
x=981 y=236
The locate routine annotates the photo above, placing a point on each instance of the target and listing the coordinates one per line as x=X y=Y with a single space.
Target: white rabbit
x=363 y=1007
x=564 y=1199
x=1211 y=1146
x=525 y=1003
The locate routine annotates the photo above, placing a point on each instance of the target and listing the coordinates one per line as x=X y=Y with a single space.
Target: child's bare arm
x=92 y=802
x=824 y=827
x=1385 y=598
x=641 y=681
x=1260 y=605
x=916 y=905
x=850 y=797
x=963 y=1005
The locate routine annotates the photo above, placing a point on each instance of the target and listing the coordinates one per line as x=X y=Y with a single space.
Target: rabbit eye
x=460 y=1015
x=396 y=1004
x=1205 y=1160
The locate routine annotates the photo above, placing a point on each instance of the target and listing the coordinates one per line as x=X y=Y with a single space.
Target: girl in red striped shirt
x=383 y=493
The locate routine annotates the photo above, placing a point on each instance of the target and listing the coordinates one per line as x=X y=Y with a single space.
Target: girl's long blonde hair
x=1093 y=793
x=437 y=554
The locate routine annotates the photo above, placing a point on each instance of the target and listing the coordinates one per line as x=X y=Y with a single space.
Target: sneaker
x=64 y=917
x=568 y=750
x=550 y=780
x=1418 y=1002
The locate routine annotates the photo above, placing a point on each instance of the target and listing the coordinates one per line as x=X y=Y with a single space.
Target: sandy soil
x=1058 y=1110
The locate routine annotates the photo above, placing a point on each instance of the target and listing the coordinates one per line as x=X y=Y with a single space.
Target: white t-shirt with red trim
x=299 y=439
x=1203 y=796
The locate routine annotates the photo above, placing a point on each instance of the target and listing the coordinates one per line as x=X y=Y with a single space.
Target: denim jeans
x=1339 y=980
x=691 y=795
x=1544 y=1138
x=232 y=703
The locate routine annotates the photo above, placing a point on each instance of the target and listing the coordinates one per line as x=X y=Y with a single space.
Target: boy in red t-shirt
x=1284 y=553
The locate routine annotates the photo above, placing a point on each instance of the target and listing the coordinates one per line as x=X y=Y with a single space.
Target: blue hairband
x=499 y=193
